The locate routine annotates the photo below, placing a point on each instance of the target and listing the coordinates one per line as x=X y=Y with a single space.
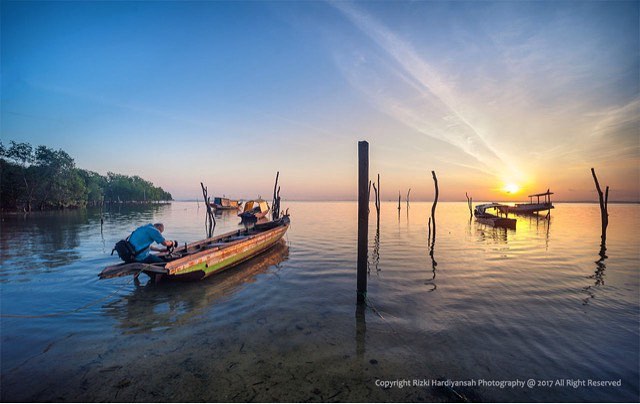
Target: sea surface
x=447 y=320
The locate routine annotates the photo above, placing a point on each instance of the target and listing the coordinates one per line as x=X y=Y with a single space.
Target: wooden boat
x=531 y=207
x=225 y=204
x=210 y=256
x=254 y=210
x=482 y=216
x=132 y=316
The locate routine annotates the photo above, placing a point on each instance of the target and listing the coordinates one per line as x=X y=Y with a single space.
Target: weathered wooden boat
x=254 y=210
x=225 y=204
x=482 y=216
x=210 y=256
x=133 y=316
x=531 y=207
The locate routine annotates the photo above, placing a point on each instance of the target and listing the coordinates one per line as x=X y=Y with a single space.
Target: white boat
x=482 y=216
x=531 y=207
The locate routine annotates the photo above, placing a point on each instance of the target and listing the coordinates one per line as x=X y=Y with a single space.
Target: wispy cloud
x=611 y=120
x=417 y=95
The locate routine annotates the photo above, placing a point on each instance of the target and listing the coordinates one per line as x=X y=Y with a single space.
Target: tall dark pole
x=363 y=218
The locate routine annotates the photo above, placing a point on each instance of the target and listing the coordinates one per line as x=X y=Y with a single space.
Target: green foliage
x=47 y=178
x=123 y=188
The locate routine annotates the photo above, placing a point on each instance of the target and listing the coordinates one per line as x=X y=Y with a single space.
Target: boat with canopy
x=531 y=207
x=499 y=219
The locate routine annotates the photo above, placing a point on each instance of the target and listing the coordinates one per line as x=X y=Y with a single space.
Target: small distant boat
x=225 y=204
x=254 y=210
x=210 y=256
x=482 y=216
x=531 y=207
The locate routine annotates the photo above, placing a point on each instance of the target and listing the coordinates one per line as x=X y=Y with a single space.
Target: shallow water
x=488 y=304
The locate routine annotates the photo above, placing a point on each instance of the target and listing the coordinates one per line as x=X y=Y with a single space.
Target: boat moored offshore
x=500 y=219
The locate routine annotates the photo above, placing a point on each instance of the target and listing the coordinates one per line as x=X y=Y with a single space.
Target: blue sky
x=485 y=93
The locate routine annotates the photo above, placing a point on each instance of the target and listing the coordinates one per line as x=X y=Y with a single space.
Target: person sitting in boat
x=142 y=238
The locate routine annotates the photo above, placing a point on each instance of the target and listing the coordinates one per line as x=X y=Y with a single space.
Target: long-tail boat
x=531 y=207
x=206 y=257
x=225 y=204
x=482 y=216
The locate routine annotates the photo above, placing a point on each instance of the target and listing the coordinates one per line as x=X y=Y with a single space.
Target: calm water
x=498 y=305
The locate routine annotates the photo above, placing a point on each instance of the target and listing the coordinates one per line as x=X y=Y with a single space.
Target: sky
x=491 y=95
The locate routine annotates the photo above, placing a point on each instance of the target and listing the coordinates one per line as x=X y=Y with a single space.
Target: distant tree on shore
x=43 y=178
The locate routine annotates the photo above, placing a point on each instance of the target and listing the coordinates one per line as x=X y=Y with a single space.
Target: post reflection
x=539 y=223
x=361 y=330
x=407 y=215
x=431 y=244
x=497 y=235
x=598 y=275
x=375 y=259
x=167 y=305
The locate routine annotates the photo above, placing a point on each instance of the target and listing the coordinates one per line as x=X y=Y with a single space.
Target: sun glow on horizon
x=511 y=188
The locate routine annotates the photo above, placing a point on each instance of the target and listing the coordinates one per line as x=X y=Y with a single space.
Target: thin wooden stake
x=435 y=202
x=604 y=212
x=210 y=220
x=275 y=208
x=379 y=193
x=369 y=197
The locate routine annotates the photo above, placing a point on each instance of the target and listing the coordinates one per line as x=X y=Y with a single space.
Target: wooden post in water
x=369 y=197
x=275 y=204
x=470 y=203
x=435 y=202
x=379 y=190
x=210 y=220
x=398 y=200
x=604 y=212
x=363 y=218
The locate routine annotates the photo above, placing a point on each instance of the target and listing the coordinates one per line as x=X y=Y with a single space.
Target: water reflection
x=138 y=212
x=376 y=251
x=497 y=235
x=361 y=330
x=154 y=307
x=598 y=275
x=528 y=304
x=539 y=222
x=42 y=241
x=431 y=244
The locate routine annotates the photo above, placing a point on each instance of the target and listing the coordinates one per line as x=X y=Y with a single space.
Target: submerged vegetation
x=42 y=178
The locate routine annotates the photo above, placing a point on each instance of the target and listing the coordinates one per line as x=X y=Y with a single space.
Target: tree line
x=39 y=178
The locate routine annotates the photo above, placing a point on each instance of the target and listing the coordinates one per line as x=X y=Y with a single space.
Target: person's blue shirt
x=143 y=237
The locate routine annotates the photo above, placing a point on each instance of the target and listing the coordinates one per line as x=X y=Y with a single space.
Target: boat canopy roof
x=489 y=205
x=542 y=194
x=221 y=201
x=482 y=208
x=250 y=205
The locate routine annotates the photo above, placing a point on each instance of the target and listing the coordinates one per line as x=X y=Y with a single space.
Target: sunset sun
x=511 y=188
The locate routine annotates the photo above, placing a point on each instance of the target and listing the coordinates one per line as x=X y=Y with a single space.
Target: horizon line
x=404 y=202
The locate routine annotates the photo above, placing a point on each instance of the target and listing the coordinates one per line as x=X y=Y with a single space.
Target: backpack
x=126 y=251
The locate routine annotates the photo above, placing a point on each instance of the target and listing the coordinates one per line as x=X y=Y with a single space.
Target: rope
x=373 y=308
x=86 y=306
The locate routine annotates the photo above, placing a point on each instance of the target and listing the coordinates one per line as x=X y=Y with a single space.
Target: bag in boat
x=125 y=250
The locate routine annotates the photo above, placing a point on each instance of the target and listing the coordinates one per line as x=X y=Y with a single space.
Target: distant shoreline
x=395 y=201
